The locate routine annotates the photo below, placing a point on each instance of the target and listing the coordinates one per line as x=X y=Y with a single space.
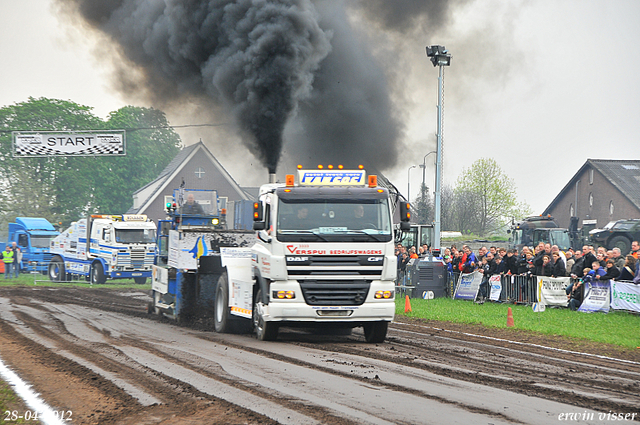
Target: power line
x=161 y=127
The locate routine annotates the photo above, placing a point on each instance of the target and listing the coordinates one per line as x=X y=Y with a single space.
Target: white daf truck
x=103 y=247
x=322 y=255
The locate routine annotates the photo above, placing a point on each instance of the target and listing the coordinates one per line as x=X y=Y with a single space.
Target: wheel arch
x=261 y=283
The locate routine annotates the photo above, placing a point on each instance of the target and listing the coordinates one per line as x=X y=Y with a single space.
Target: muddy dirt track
x=97 y=353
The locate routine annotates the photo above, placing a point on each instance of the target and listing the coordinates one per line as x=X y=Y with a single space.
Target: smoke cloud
x=304 y=71
x=254 y=57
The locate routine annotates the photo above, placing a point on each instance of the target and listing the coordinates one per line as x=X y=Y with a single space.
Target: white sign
x=78 y=143
x=468 y=286
x=496 y=287
x=552 y=290
x=538 y=307
x=625 y=296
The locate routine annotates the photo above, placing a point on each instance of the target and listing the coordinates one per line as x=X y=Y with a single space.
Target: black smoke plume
x=256 y=58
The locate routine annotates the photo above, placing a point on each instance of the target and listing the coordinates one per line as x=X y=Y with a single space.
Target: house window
x=591 y=200
x=611 y=208
x=199 y=172
x=571 y=210
x=591 y=176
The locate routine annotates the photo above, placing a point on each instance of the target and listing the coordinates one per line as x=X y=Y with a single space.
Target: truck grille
x=335 y=265
x=334 y=293
x=137 y=258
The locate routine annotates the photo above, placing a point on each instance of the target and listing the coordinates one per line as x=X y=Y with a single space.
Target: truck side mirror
x=258 y=214
x=405 y=212
x=405 y=225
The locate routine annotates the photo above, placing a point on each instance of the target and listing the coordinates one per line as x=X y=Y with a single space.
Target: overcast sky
x=540 y=86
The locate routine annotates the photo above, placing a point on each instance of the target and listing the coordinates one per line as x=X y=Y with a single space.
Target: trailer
x=321 y=254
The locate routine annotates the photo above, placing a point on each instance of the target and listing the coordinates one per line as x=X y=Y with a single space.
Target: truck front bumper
x=297 y=309
x=129 y=275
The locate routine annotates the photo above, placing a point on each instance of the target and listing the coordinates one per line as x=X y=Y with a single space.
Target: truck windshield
x=560 y=238
x=344 y=220
x=135 y=235
x=41 y=241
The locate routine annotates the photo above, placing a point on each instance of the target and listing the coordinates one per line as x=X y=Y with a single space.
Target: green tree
x=29 y=186
x=151 y=145
x=422 y=207
x=487 y=198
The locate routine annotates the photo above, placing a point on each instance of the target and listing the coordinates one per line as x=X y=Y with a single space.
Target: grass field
x=43 y=280
x=618 y=328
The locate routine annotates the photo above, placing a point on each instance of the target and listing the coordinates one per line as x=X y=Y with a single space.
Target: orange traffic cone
x=407 y=304
x=510 y=318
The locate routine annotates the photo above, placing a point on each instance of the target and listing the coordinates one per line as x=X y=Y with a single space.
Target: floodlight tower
x=440 y=57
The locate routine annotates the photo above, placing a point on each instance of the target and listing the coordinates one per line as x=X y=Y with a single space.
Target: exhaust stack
x=272 y=178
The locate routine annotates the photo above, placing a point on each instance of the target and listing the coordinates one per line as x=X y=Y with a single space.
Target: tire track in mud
x=554 y=376
x=459 y=357
x=56 y=348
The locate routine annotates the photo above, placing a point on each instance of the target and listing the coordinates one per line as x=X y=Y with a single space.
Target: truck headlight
x=383 y=295
x=282 y=295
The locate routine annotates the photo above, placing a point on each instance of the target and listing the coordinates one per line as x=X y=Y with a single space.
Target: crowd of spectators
x=543 y=260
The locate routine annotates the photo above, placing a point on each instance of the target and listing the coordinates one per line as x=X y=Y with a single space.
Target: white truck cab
x=105 y=246
x=324 y=254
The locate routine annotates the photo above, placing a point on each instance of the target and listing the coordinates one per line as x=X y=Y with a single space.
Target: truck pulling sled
x=321 y=255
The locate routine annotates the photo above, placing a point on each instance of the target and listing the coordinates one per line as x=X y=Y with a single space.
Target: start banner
x=76 y=143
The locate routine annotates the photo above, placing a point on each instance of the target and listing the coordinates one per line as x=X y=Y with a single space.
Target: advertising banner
x=496 y=287
x=77 y=143
x=468 y=286
x=596 y=297
x=552 y=290
x=625 y=296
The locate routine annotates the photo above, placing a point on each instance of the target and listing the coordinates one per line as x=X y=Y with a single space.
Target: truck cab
x=33 y=235
x=324 y=254
x=105 y=246
x=536 y=229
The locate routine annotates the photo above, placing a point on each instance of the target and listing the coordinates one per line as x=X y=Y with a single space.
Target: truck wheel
x=622 y=243
x=140 y=280
x=56 y=270
x=221 y=314
x=265 y=331
x=97 y=274
x=375 y=331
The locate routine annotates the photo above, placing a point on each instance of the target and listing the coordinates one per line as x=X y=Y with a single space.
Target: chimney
x=272 y=178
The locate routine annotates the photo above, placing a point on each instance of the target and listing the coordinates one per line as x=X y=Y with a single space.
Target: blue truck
x=33 y=235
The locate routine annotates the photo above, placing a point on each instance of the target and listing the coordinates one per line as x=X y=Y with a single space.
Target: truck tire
x=221 y=311
x=621 y=242
x=375 y=332
x=265 y=331
x=140 y=280
x=57 y=272
x=97 y=274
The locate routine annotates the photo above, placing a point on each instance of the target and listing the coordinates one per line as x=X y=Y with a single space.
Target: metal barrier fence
x=519 y=289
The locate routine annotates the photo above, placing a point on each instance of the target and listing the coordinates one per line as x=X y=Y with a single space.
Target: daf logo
x=297 y=258
x=372 y=259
